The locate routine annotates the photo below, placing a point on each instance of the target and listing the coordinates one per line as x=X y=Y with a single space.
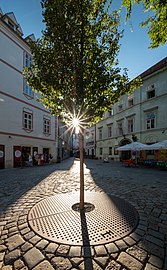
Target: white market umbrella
x=157 y=146
x=134 y=146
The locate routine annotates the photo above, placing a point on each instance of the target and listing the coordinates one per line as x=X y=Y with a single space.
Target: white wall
x=13 y=101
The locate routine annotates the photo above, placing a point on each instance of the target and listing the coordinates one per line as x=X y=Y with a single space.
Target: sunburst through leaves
x=75 y=122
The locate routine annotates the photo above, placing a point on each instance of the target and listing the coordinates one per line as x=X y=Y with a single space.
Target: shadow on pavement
x=15 y=182
x=88 y=265
x=145 y=188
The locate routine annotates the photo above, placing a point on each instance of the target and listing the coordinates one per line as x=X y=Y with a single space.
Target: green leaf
x=75 y=61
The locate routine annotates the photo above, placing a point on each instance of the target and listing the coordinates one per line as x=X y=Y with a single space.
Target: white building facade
x=140 y=116
x=26 y=126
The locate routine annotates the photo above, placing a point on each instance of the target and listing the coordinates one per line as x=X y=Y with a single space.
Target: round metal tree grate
x=87 y=207
x=110 y=219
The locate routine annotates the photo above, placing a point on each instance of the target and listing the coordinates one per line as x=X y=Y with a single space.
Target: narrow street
x=144 y=189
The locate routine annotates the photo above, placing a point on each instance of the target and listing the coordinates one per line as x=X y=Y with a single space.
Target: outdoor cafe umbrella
x=157 y=146
x=134 y=146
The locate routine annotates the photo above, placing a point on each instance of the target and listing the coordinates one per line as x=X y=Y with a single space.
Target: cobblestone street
x=145 y=248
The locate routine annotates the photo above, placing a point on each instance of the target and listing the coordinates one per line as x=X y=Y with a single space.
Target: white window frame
x=151 y=91
x=46 y=125
x=27 y=90
x=151 y=120
x=27 y=62
x=27 y=120
x=27 y=59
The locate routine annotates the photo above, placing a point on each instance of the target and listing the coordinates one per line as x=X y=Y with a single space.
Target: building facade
x=90 y=141
x=65 y=140
x=26 y=126
x=140 y=116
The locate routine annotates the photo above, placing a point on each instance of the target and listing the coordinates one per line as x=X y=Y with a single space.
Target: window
x=11 y=25
x=46 y=125
x=150 y=120
x=27 y=120
x=100 y=133
x=120 y=128
x=150 y=94
x=110 y=113
x=27 y=59
x=130 y=125
x=130 y=102
x=151 y=91
x=27 y=90
x=101 y=151
x=109 y=131
x=110 y=151
x=120 y=107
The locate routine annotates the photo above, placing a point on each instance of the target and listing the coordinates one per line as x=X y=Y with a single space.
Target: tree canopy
x=157 y=20
x=75 y=62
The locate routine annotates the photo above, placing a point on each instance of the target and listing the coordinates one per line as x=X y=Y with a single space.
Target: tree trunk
x=81 y=140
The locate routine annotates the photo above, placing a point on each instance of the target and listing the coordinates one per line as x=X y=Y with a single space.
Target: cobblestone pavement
x=144 y=249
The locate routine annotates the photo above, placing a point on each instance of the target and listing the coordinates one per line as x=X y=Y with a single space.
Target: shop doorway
x=125 y=154
x=25 y=154
x=46 y=155
x=2 y=156
x=35 y=155
x=17 y=156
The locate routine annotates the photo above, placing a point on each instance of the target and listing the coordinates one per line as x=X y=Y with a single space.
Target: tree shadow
x=88 y=265
x=15 y=182
x=136 y=187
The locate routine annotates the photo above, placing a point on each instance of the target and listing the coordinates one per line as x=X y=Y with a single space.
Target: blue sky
x=134 y=53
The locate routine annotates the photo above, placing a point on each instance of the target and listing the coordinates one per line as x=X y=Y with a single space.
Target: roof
x=30 y=37
x=1 y=13
x=10 y=16
x=154 y=68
